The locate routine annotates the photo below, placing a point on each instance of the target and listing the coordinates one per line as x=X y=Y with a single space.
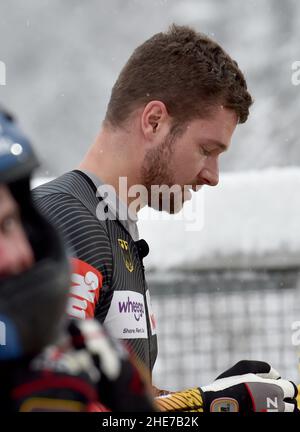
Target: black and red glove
x=250 y=386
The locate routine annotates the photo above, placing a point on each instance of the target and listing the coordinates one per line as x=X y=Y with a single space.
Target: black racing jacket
x=108 y=280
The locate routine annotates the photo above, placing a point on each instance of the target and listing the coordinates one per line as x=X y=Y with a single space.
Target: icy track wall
x=250 y=219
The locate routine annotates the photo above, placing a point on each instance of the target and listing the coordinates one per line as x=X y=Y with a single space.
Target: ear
x=154 y=120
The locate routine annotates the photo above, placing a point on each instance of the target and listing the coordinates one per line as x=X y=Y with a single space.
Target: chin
x=173 y=206
x=176 y=210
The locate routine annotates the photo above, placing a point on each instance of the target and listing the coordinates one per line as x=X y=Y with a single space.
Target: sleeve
x=189 y=400
x=89 y=249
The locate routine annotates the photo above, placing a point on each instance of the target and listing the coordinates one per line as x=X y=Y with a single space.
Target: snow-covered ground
x=250 y=219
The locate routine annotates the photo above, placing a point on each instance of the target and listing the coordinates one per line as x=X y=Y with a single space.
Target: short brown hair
x=187 y=71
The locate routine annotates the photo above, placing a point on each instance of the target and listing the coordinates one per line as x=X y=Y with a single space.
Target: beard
x=158 y=177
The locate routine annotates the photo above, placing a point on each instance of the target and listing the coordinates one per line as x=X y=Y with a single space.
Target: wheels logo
x=129 y=306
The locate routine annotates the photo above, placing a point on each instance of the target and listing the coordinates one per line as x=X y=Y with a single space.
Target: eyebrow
x=217 y=143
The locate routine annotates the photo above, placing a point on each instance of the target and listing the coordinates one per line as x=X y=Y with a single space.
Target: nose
x=210 y=173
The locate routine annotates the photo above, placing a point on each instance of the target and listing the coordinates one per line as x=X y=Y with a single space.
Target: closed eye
x=204 y=151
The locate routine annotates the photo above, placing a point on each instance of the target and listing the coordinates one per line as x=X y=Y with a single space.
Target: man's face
x=15 y=251
x=190 y=158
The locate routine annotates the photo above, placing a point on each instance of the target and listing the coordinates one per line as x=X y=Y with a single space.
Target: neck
x=114 y=159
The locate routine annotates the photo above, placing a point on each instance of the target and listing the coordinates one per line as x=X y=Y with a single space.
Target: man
x=172 y=112
x=48 y=363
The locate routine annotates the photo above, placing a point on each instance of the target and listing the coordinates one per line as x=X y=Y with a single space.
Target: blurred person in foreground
x=48 y=362
x=172 y=113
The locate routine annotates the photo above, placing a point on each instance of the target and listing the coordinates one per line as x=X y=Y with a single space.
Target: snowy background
x=250 y=220
x=231 y=289
x=62 y=58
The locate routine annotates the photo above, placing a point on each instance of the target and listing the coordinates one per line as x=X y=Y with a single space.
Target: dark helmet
x=32 y=304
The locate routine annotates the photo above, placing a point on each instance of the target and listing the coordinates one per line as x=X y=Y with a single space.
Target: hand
x=250 y=386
